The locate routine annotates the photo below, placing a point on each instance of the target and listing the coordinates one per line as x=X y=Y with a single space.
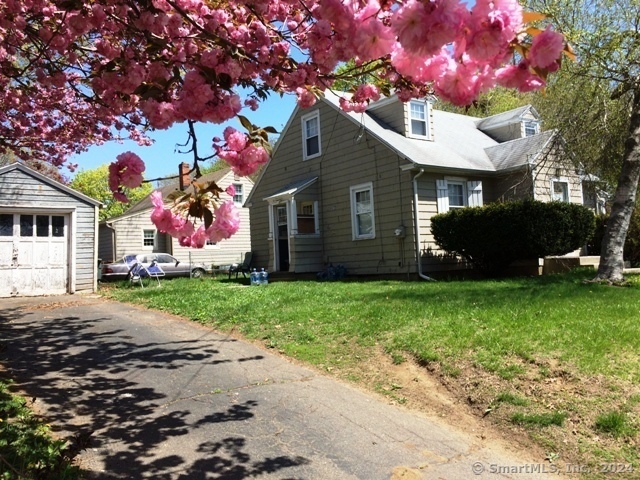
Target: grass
x=499 y=325
x=539 y=419
x=568 y=348
x=27 y=451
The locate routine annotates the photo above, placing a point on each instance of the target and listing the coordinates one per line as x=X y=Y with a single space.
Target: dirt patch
x=483 y=405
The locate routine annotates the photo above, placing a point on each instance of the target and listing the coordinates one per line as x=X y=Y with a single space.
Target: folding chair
x=139 y=273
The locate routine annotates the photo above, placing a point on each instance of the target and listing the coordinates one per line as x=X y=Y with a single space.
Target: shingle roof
x=458 y=141
x=510 y=116
x=519 y=152
x=145 y=203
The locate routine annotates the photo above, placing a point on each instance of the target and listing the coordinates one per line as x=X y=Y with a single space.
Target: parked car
x=171 y=266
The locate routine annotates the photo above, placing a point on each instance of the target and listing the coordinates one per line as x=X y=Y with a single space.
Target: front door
x=282 y=239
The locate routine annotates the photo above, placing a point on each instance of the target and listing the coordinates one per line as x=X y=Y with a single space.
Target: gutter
x=417 y=226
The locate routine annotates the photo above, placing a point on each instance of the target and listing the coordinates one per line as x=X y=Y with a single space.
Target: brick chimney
x=185 y=179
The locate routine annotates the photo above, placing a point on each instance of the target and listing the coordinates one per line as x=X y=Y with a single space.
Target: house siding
x=545 y=173
x=512 y=186
x=105 y=244
x=345 y=162
x=129 y=235
x=19 y=190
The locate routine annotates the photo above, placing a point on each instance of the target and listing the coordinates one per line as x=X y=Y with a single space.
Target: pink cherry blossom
x=231 y=190
x=520 y=77
x=306 y=99
x=546 y=48
x=110 y=70
x=226 y=223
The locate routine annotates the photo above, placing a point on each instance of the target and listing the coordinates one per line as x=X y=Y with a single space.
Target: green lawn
x=594 y=327
x=552 y=359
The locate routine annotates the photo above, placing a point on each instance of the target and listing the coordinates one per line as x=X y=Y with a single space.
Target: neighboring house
x=360 y=189
x=48 y=242
x=134 y=232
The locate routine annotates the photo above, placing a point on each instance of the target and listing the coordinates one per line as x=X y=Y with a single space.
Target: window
x=418 y=119
x=149 y=238
x=6 y=224
x=239 y=196
x=42 y=225
x=362 y=219
x=456 y=194
x=306 y=218
x=560 y=191
x=57 y=226
x=311 y=135
x=531 y=128
x=26 y=225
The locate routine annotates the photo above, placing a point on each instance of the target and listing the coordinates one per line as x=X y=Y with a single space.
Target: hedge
x=494 y=236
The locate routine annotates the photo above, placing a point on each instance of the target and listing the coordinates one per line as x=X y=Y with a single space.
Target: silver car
x=171 y=266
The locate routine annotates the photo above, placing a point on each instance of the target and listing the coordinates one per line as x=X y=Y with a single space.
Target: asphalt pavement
x=166 y=398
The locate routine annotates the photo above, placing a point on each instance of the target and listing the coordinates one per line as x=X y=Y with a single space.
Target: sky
x=162 y=158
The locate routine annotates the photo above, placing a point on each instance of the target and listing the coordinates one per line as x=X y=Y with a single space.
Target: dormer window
x=418 y=119
x=311 y=135
x=531 y=128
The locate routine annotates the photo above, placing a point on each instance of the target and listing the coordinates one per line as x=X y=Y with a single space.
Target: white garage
x=48 y=242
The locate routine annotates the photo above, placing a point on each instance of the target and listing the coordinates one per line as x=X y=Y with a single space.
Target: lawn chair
x=140 y=273
x=244 y=267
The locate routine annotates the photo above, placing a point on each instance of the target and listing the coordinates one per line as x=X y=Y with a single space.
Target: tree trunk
x=624 y=201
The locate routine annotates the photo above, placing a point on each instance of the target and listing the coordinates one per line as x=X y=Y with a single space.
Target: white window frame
x=356 y=235
x=564 y=180
x=306 y=118
x=239 y=187
x=155 y=239
x=471 y=193
x=425 y=106
x=530 y=123
x=463 y=184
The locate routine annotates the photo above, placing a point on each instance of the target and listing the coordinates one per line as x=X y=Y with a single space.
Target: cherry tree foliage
x=75 y=73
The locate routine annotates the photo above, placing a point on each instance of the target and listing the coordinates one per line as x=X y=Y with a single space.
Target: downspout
x=417 y=226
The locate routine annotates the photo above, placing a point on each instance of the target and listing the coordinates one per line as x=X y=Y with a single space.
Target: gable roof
x=458 y=143
x=53 y=183
x=519 y=152
x=506 y=118
x=145 y=204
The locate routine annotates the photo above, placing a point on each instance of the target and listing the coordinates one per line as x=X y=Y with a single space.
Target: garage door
x=33 y=254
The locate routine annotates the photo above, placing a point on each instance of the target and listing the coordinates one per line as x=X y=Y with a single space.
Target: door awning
x=290 y=190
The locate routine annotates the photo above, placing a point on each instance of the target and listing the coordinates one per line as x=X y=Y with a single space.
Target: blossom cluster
x=225 y=224
x=243 y=156
x=126 y=171
x=75 y=74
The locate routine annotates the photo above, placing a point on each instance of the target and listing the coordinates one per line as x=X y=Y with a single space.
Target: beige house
x=133 y=232
x=360 y=189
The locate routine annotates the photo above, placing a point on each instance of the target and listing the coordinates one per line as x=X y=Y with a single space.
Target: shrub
x=631 y=244
x=494 y=236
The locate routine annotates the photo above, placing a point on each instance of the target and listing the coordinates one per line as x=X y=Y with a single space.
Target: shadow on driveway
x=91 y=375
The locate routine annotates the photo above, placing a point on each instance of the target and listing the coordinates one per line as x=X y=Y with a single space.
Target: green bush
x=494 y=236
x=631 y=244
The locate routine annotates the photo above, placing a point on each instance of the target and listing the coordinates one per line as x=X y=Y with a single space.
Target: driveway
x=166 y=398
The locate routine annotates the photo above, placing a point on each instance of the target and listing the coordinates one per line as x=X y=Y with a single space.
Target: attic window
x=311 y=135
x=418 y=119
x=531 y=128
x=239 y=196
